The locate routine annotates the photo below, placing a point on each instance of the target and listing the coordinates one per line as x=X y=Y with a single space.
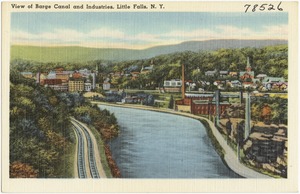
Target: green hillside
x=82 y=54
x=68 y=54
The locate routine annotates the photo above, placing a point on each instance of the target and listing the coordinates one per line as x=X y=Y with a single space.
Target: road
x=88 y=163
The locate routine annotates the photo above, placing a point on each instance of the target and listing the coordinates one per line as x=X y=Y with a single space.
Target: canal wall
x=229 y=156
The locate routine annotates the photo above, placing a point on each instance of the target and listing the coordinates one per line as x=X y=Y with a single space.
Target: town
x=223 y=96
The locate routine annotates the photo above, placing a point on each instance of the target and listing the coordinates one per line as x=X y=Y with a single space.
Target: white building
x=173 y=83
x=87 y=86
x=106 y=86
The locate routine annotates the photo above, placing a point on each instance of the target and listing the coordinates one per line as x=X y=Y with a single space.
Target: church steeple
x=97 y=69
x=248 y=67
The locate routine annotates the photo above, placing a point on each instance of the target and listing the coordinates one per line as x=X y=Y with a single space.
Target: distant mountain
x=81 y=54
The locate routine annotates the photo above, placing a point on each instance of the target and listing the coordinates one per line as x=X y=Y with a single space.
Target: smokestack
x=183 y=83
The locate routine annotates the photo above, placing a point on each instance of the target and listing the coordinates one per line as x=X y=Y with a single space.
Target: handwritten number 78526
x=262 y=7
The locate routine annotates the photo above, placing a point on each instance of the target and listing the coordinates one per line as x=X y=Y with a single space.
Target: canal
x=160 y=145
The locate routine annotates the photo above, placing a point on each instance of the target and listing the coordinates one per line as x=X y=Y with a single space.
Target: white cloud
x=106 y=33
x=107 y=37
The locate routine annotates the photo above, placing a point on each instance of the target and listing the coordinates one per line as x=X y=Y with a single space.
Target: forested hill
x=82 y=54
x=41 y=139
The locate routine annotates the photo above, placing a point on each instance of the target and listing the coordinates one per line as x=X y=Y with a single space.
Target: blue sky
x=142 y=29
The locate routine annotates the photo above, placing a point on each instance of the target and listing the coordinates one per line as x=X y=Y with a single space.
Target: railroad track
x=80 y=155
x=90 y=148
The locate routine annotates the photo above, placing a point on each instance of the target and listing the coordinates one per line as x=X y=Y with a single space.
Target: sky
x=139 y=30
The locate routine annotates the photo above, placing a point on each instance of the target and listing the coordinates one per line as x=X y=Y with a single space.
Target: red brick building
x=201 y=104
x=52 y=81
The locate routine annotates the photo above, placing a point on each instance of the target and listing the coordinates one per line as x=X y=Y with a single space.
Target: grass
x=100 y=144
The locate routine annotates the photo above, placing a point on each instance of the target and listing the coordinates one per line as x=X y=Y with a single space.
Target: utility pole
x=183 y=82
x=217 y=96
x=247 y=116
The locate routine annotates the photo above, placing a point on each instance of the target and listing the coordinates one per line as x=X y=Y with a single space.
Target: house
x=223 y=73
x=211 y=73
x=281 y=86
x=261 y=76
x=268 y=82
x=273 y=79
x=106 y=85
x=233 y=74
x=51 y=75
x=146 y=70
x=236 y=84
x=247 y=85
x=27 y=74
x=135 y=75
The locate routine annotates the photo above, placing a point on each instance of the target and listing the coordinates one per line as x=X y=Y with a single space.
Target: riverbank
x=229 y=157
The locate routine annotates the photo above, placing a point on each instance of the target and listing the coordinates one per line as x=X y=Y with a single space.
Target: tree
x=20 y=170
x=266 y=113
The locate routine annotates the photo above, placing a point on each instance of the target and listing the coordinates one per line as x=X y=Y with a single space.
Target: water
x=160 y=145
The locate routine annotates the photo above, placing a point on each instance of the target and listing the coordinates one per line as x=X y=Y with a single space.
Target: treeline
x=271 y=60
x=40 y=128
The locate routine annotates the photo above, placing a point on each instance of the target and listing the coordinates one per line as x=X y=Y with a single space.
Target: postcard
x=154 y=96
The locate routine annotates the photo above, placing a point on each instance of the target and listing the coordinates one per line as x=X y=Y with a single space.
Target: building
x=233 y=74
x=223 y=73
x=206 y=107
x=93 y=80
x=106 y=85
x=146 y=70
x=185 y=104
x=27 y=74
x=62 y=87
x=56 y=84
x=248 y=75
x=64 y=75
x=87 y=86
x=247 y=85
x=76 y=85
x=173 y=85
x=211 y=73
x=76 y=75
x=40 y=77
x=261 y=76
x=203 y=104
x=273 y=79
x=135 y=75
x=85 y=72
x=236 y=84
x=51 y=75
x=52 y=81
